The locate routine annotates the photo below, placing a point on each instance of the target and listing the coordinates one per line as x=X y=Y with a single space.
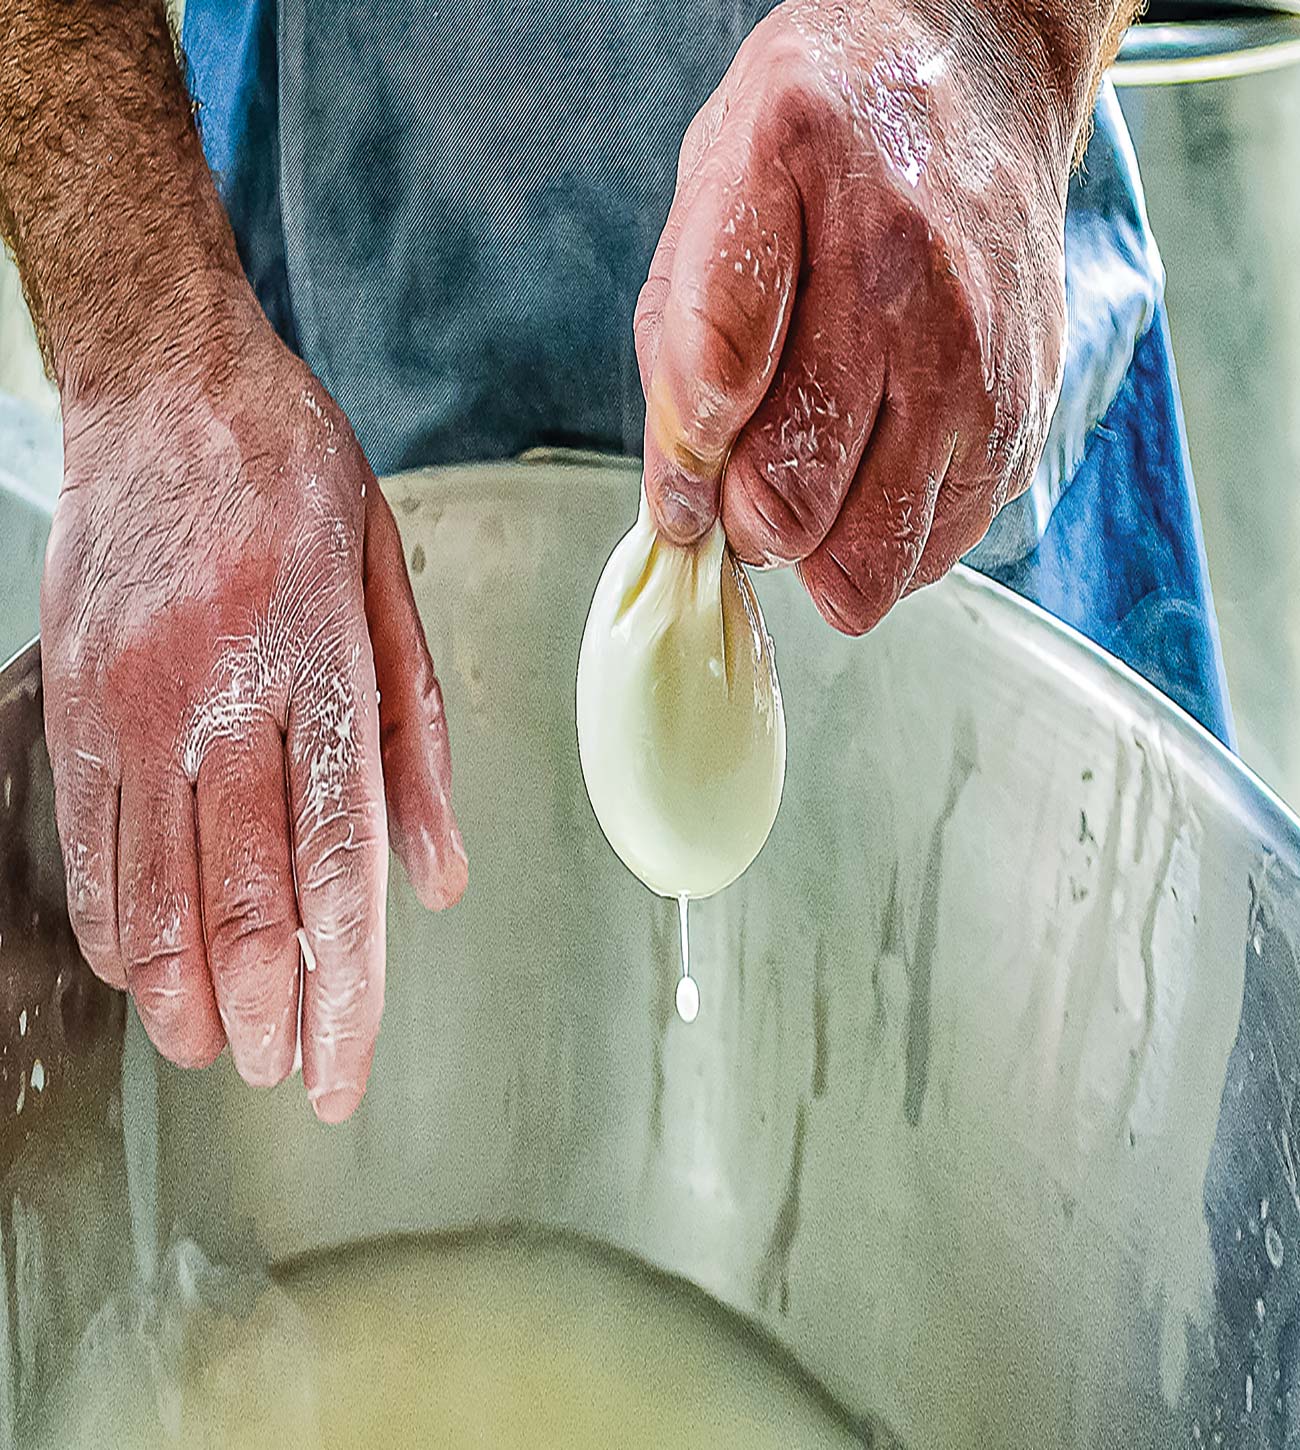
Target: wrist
x=184 y=317
x=1045 y=59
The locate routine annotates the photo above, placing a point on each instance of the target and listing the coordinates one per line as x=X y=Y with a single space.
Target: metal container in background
x=1212 y=96
x=988 y=1117
x=31 y=469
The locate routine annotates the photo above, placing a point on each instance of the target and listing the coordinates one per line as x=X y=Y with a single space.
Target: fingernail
x=335 y=1106
x=453 y=874
x=455 y=837
x=681 y=515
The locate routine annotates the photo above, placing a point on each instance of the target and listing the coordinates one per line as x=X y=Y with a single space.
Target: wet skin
x=850 y=340
x=852 y=333
x=236 y=676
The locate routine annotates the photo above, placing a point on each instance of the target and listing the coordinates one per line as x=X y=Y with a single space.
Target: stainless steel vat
x=1220 y=161
x=31 y=469
x=988 y=1113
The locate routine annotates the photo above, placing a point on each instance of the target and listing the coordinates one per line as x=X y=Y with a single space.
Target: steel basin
x=995 y=1068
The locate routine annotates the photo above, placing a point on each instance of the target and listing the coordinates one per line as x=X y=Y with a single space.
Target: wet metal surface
x=994 y=1077
x=31 y=469
x=60 y=1053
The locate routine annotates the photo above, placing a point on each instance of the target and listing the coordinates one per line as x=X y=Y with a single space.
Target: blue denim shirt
x=449 y=210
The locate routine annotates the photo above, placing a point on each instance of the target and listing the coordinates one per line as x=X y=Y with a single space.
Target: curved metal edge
x=21 y=674
x=19 y=670
x=1060 y=646
x=1194 y=50
x=1216 y=765
x=1129 y=75
x=1224 y=774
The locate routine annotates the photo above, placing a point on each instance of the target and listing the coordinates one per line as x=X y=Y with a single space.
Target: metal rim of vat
x=1063 y=642
x=1186 y=43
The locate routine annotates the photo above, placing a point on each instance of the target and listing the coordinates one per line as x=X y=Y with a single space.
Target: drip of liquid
x=688 y=993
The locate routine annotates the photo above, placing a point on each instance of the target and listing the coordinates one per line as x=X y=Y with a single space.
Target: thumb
x=712 y=321
x=413 y=727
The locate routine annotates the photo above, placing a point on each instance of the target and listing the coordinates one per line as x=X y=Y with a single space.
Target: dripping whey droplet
x=688 y=993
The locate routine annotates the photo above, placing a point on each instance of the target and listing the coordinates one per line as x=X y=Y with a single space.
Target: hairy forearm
x=105 y=199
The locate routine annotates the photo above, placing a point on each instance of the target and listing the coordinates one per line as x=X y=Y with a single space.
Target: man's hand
x=228 y=631
x=852 y=333
x=235 y=673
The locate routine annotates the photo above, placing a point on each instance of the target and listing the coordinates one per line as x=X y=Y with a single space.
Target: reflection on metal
x=1240 y=41
x=1220 y=166
x=997 y=1057
x=60 y=1055
x=31 y=470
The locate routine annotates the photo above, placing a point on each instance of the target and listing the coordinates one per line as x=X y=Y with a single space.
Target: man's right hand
x=230 y=642
x=852 y=334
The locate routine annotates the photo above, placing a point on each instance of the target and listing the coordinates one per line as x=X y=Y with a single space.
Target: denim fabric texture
x=449 y=210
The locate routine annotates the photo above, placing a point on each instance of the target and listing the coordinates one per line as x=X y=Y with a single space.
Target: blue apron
x=448 y=211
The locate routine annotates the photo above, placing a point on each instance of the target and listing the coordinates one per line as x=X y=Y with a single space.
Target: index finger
x=340 y=855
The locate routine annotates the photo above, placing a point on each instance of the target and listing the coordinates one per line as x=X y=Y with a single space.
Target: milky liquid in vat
x=513 y=1345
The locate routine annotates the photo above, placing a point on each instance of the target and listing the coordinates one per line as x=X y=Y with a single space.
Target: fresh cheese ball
x=681 y=731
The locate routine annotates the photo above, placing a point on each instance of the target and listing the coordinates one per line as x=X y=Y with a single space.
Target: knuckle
x=962 y=524
x=163 y=987
x=341 y=891
x=1020 y=397
x=242 y=946
x=808 y=109
x=970 y=482
x=249 y=919
x=796 y=469
x=96 y=933
x=725 y=326
x=936 y=563
x=704 y=130
x=857 y=579
x=848 y=600
x=649 y=307
x=340 y=857
x=1014 y=474
x=160 y=974
x=960 y=343
x=805 y=103
x=773 y=517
